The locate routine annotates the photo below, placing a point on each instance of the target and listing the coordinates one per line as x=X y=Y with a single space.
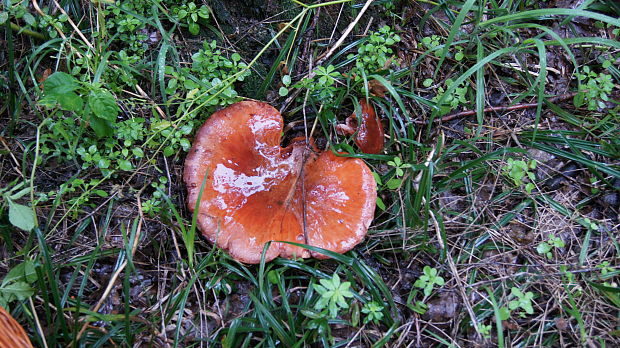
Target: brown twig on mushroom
x=370 y=135
x=12 y=335
x=256 y=191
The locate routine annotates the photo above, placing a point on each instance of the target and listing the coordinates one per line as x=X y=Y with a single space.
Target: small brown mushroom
x=369 y=137
x=12 y=335
x=256 y=191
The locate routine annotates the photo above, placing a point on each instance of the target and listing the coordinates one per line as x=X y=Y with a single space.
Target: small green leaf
x=101 y=127
x=273 y=277
x=380 y=203
x=543 y=248
x=377 y=178
x=504 y=313
x=30 y=272
x=4 y=16
x=286 y=80
x=125 y=165
x=24 y=270
x=137 y=152
x=393 y=183
x=103 y=163
x=103 y=104
x=185 y=144
x=29 y=18
x=529 y=187
x=513 y=305
x=283 y=91
x=21 y=216
x=168 y=151
x=70 y=101
x=60 y=83
x=204 y=12
x=101 y=193
x=194 y=29
x=21 y=290
x=579 y=99
x=355 y=315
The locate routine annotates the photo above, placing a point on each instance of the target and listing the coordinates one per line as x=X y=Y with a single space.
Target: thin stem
x=21 y=30
x=336 y=2
x=34 y=169
x=12 y=104
x=300 y=3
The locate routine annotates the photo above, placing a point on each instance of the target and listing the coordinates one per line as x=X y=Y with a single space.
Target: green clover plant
x=545 y=247
x=428 y=280
x=594 y=89
x=519 y=172
x=333 y=294
x=523 y=301
x=373 y=312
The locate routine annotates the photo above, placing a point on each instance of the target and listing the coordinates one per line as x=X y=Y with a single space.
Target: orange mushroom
x=256 y=191
x=369 y=137
x=12 y=335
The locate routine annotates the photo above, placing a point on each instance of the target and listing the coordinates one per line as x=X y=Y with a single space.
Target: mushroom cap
x=370 y=135
x=12 y=335
x=256 y=191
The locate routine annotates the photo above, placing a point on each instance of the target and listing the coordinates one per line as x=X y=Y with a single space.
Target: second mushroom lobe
x=370 y=136
x=257 y=191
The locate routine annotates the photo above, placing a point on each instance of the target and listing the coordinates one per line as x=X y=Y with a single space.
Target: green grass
x=118 y=259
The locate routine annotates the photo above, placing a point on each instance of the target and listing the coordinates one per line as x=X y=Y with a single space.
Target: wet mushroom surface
x=256 y=191
x=370 y=135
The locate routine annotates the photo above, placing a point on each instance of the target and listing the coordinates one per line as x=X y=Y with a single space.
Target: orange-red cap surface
x=256 y=191
x=370 y=135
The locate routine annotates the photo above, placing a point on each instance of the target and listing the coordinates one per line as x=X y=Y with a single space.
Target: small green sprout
x=192 y=15
x=428 y=280
x=590 y=224
x=333 y=294
x=373 y=312
x=594 y=88
x=545 y=247
x=519 y=172
x=453 y=100
x=286 y=82
x=431 y=42
x=322 y=86
x=459 y=55
x=375 y=54
x=398 y=164
x=523 y=301
x=605 y=268
x=485 y=330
